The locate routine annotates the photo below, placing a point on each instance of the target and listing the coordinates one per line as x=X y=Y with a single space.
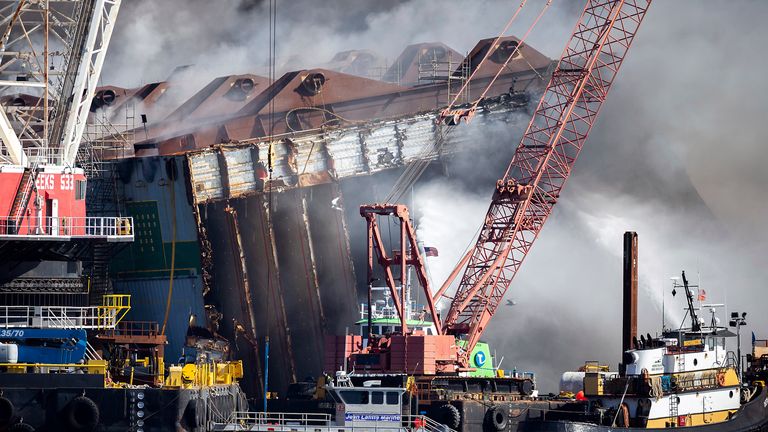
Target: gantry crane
x=524 y=197
x=51 y=56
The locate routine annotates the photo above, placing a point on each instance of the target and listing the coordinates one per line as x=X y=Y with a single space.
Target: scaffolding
x=109 y=135
x=454 y=73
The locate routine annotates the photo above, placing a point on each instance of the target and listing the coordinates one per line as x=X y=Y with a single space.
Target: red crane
x=525 y=195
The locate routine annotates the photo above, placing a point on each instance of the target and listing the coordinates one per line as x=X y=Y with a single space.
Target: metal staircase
x=100 y=283
x=91 y=353
x=23 y=193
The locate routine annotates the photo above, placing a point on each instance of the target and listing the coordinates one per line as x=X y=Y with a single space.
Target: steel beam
x=88 y=72
x=11 y=141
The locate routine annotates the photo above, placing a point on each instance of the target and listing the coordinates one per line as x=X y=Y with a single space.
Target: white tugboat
x=680 y=378
x=370 y=407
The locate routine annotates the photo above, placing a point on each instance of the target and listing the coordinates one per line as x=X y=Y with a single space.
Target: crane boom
x=52 y=56
x=531 y=186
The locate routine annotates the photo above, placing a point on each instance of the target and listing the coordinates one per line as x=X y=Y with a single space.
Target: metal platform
x=17 y=318
x=47 y=229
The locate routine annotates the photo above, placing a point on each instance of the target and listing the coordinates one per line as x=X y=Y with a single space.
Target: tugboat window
x=393 y=398
x=354 y=397
x=377 y=398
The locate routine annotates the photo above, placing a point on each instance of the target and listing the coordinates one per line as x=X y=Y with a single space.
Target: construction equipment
x=525 y=196
x=52 y=55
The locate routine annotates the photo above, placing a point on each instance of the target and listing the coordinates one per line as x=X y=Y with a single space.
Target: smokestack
x=629 y=330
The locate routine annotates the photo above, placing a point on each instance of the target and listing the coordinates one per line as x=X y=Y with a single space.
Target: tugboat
x=681 y=378
x=367 y=407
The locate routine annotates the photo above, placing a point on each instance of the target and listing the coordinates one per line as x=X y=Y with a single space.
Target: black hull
x=752 y=417
x=51 y=407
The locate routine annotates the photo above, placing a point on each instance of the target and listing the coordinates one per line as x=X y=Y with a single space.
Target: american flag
x=430 y=251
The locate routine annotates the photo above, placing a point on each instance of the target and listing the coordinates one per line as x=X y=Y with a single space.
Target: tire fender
x=6 y=411
x=498 y=417
x=449 y=416
x=81 y=415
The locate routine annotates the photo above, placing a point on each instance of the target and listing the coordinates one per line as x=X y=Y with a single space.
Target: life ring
x=6 y=411
x=721 y=379
x=498 y=417
x=81 y=415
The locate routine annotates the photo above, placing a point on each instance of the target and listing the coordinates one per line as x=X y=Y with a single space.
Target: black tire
x=81 y=415
x=449 y=415
x=525 y=387
x=194 y=413
x=6 y=411
x=498 y=417
x=21 y=427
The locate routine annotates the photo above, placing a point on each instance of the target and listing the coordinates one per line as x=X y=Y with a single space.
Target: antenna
x=695 y=325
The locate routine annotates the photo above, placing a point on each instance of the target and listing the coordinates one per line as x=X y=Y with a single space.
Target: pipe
x=629 y=328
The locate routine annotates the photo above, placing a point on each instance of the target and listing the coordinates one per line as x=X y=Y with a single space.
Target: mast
x=695 y=325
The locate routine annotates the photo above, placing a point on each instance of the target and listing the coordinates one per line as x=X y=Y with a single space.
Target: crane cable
x=515 y=51
x=414 y=170
x=172 y=185
x=488 y=53
x=269 y=211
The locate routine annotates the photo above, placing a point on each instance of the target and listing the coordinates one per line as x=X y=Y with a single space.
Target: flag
x=430 y=251
x=702 y=295
x=753 y=339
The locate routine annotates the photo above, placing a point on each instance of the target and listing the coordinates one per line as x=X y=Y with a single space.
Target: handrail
x=271 y=418
x=250 y=419
x=106 y=316
x=65 y=226
x=134 y=328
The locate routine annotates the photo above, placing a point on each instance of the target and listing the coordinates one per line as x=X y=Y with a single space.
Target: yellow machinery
x=204 y=375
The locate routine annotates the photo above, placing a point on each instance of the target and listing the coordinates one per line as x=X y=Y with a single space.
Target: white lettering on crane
x=45 y=182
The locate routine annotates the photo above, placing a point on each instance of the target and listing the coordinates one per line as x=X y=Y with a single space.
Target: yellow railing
x=113 y=309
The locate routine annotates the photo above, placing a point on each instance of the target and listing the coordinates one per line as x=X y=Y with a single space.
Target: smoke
x=676 y=156
x=227 y=37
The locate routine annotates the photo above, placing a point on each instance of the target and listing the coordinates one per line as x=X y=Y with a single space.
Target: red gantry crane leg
x=531 y=186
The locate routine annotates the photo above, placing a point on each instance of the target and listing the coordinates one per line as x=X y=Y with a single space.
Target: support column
x=629 y=317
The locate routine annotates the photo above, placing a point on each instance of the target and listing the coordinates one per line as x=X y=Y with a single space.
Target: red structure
x=531 y=186
x=407 y=255
x=49 y=201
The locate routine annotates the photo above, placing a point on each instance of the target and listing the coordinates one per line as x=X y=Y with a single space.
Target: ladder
x=673 y=412
x=23 y=193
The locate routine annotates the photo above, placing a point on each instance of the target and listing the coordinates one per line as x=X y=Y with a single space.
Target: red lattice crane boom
x=525 y=196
